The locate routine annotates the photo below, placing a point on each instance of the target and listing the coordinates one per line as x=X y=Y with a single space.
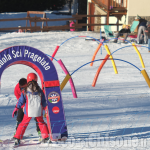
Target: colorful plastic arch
x=111 y=57
x=65 y=69
x=57 y=47
x=144 y=73
x=94 y=55
x=70 y=79
x=140 y=57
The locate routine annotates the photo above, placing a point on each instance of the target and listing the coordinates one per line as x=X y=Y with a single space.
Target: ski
x=21 y=144
x=35 y=142
x=91 y=39
x=8 y=142
x=29 y=143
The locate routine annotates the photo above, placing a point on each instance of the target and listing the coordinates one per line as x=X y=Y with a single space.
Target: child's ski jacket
x=33 y=103
x=17 y=93
x=71 y=25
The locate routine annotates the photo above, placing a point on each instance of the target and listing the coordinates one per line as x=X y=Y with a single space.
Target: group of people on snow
x=143 y=33
x=31 y=103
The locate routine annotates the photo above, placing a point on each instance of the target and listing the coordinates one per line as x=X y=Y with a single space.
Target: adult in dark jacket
x=17 y=92
x=141 y=31
x=148 y=34
x=123 y=32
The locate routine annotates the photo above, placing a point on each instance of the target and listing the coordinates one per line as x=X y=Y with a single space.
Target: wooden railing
x=118 y=3
x=109 y=4
x=103 y=3
x=48 y=28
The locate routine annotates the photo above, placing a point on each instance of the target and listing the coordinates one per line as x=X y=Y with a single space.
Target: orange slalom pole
x=99 y=69
x=99 y=46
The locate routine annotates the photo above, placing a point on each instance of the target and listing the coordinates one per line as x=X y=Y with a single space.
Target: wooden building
x=117 y=11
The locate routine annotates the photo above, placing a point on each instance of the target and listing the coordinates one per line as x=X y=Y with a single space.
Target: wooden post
x=108 y=7
x=27 y=21
x=35 y=22
x=108 y=12
x=117 y=24
x=107 y=20
x=43 y=21
x=89 y=18
x=76 y=22
x=44 y=16
x=28 y=15
x=92 y=18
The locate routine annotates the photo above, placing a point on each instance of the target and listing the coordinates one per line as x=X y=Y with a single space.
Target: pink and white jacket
x=71 y=25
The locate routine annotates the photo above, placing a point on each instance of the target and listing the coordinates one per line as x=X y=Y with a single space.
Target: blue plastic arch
x=125 y=47
x=104 y=59
x=99 y=60
x=78 y=36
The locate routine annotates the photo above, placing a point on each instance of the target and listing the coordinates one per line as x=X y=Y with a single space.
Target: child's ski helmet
x=31 y=76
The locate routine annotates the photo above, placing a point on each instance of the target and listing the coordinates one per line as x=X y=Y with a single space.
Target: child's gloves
x=15 y=112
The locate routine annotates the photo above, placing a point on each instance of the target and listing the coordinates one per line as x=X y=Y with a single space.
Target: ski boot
x=17 y=142
x=46 y=140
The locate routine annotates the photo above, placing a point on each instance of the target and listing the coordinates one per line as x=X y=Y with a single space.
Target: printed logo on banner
x=55 y=110
x=53 y=97
x=25 y=55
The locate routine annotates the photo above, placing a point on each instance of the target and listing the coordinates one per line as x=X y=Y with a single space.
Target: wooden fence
x=49 y=28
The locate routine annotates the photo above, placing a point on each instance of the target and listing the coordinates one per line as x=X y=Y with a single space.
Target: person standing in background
x=148 y=34
x=141 y=31
x=72 y=25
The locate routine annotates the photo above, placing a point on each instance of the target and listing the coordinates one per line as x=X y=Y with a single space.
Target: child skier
x=34 y=100
x=17 y=92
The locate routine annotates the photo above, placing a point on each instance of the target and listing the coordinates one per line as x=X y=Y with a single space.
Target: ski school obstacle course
x=43 y=65
x=107 y=57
